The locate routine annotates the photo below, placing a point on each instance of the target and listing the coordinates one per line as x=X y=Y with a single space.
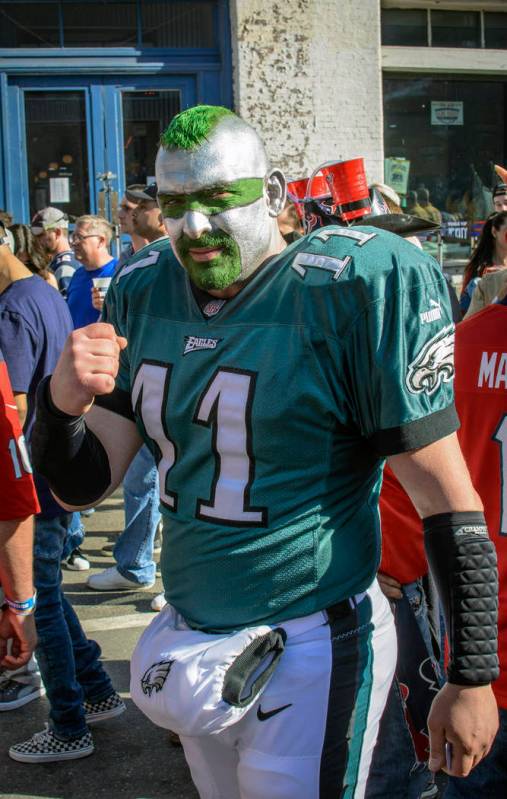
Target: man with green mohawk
x=270 y=383
x=239 y=191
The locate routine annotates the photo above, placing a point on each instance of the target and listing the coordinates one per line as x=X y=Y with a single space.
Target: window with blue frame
x=145 y=115
x=57 y=154
x=110 y=23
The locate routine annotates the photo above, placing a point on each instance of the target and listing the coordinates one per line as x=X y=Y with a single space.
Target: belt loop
x=340 y=610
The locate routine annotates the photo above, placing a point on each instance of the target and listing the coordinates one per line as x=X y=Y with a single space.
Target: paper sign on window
x=396 y=172
x=446 y=112
x=59 y=190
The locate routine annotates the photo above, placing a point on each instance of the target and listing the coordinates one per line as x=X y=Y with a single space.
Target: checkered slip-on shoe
x=15 y=694
x=107 y=708
x=45 y=747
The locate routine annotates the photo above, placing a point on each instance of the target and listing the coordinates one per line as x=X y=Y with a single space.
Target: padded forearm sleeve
x=68 y=454
x=462 y=559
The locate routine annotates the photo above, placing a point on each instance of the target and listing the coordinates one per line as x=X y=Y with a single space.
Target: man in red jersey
x=18 y=501
x=481 y=401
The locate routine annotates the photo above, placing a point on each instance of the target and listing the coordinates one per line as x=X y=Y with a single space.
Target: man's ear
x=276 y=192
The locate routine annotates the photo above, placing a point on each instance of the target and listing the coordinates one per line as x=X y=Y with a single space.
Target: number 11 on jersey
x=225 y=406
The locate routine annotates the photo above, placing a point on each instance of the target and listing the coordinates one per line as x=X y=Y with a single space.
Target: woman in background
x=29 y=251
x=490 y=255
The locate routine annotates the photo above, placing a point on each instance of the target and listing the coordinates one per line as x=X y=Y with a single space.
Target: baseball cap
x=47 y=219
x=148 y=192
x=500 y=188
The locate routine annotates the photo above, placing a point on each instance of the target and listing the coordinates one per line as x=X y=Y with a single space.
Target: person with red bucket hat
x=337 y=193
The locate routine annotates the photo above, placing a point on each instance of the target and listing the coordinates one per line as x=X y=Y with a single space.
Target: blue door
x=76 y=142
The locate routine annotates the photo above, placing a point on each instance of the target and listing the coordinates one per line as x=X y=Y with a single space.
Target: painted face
x=215 y=206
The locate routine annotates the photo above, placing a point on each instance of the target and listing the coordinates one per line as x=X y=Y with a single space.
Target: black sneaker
x=77 y=562
x=45 y=747
x=430 y=792
x=15 y=694
x=107 y=708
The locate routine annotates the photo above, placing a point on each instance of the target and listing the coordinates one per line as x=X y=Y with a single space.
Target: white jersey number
x=225 y=407
x=500 y=436
x=151 y=388
x=19 y=457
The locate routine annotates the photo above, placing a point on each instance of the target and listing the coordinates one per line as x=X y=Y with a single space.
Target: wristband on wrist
x=462 y=560
x=24 y=608
x=69 y=455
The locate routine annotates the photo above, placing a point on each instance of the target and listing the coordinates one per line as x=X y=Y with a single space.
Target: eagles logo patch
x=154 y=678
x=433 y=365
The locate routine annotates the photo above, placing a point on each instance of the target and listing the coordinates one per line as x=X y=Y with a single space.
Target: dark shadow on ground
x=133 y=759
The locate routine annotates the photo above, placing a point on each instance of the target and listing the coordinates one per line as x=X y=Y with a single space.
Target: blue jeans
x=489 y=778
x=68 y=661
x=395 y=770
x=133 y=552
x=75 y=533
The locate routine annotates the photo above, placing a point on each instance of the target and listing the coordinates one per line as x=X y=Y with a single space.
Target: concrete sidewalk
x=133 y=759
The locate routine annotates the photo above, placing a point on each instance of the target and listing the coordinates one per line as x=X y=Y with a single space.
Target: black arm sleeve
x=462 y=559
x=67 y=454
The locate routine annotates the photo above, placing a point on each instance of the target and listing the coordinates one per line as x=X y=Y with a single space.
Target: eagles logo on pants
x=311 y=733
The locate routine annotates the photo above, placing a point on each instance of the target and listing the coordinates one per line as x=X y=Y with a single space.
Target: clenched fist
x=466 y=717
x=87 y=366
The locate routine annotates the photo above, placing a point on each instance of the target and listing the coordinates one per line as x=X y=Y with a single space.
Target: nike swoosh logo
x=264 y=716
x=8 y=405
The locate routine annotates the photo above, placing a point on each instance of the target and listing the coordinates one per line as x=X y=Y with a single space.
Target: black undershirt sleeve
x=416 y=434
x=67 y=453
x=118 y=402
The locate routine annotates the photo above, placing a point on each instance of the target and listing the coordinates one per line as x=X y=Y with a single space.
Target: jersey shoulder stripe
x=337 y=275
x=365 y=252
x=155 y=254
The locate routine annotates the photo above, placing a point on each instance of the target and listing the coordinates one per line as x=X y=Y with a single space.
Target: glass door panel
x=443 y=137
x=57 y=151
x=146 y=114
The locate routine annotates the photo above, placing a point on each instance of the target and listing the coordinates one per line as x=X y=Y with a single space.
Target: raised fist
x=87 y=366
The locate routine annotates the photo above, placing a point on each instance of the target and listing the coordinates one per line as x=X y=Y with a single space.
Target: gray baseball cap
x=148 y=192
x=48 y=219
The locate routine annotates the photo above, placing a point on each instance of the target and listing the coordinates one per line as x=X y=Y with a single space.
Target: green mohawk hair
x=191 y=128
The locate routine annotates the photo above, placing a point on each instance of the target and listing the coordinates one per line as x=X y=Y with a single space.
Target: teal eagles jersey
x=270 y=420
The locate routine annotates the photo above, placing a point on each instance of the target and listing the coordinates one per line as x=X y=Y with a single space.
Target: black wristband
x=462 y=559
x=67 y=453
x=46 y=404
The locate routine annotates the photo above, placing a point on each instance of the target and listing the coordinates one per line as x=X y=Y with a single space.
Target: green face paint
x=213 y=200
x=223 y=270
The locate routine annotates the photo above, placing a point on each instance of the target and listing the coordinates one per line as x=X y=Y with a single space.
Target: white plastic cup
x=102 y=284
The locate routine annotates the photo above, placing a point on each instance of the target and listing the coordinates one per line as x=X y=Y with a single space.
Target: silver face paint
x=233 y=151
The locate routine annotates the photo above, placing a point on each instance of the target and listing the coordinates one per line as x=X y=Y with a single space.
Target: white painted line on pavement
x=117 y=622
